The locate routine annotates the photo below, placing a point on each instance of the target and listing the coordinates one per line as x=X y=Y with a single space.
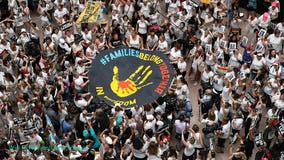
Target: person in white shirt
x=205 y=37
x=145 y=8
x=264 y=20
x=218 y=83
x=272 y=113
x=141 y=27
x=182 y=90
x=79 y=82
x=273 y=11
x=181 y=64
x=189 y=150
x=173 y=6
x=223 y=135
x=136 y=110
x=278 y=99
x=129 y=8
x=163 y=44
x=152 y=41
x=252 y=20
x=206 y=77
x=237 y=123
x=81 y=102
x=280 y=27
x=276 y=41
x=59 y=13
x=208 y=19
x=35 y=141
x=184 y=16
x=49 y=47
x=175 y=53
x=257 y=65
x=91 y=51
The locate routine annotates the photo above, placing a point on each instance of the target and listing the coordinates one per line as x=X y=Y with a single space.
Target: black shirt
x=115 y=42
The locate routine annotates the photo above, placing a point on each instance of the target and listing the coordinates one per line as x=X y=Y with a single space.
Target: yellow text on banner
x=90 y=13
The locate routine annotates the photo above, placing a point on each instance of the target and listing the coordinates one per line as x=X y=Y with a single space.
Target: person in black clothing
x=262 y=152
x=134 y=19
x=115 y=41
x=249 y=144
x=102 y=121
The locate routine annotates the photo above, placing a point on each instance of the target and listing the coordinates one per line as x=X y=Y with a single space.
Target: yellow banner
x=90 y=13
x=205 y=1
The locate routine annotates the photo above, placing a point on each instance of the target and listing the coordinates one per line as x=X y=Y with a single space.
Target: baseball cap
x=274 y=4
x=265 y=16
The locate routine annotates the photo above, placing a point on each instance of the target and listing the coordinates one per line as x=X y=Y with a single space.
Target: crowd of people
x=232 y=53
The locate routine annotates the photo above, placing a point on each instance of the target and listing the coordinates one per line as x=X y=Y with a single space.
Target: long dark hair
x=9 y=76
x=172 y=152
x=137 y=143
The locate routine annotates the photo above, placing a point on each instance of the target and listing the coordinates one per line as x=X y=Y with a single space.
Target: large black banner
x=128 y=76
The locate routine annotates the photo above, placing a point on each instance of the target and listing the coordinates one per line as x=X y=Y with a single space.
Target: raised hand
x=132 y=84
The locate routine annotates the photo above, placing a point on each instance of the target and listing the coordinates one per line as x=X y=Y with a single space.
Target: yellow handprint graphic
x=132 y=84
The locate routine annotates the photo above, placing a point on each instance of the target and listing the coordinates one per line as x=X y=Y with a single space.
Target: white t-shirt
x=162 y=45
x=226 y=130
x=271 y=61
x=59 y=14
x=258 y=64
x=81 y=103
x=280 y=27
x=188 y=151
x=91 y=53
x=206 y=76
x=173 y=7
x=175 y=53
x=181 y=65
x=275 y=41
x=142 y=27
x=273 y=12
x=136 y=112
x=78 y=82
x=277 y=101
x=180 y=125
x=262 y=23
x=237 y=123
x=152 y=40
x=271 y=115
x=218 y=83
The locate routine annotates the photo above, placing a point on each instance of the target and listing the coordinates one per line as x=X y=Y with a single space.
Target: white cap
x=160 y=124
x=61 y=40
x=108 y=140
x=179 y=77
x=149 y=117
x=170 y=117
x=23 y=30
